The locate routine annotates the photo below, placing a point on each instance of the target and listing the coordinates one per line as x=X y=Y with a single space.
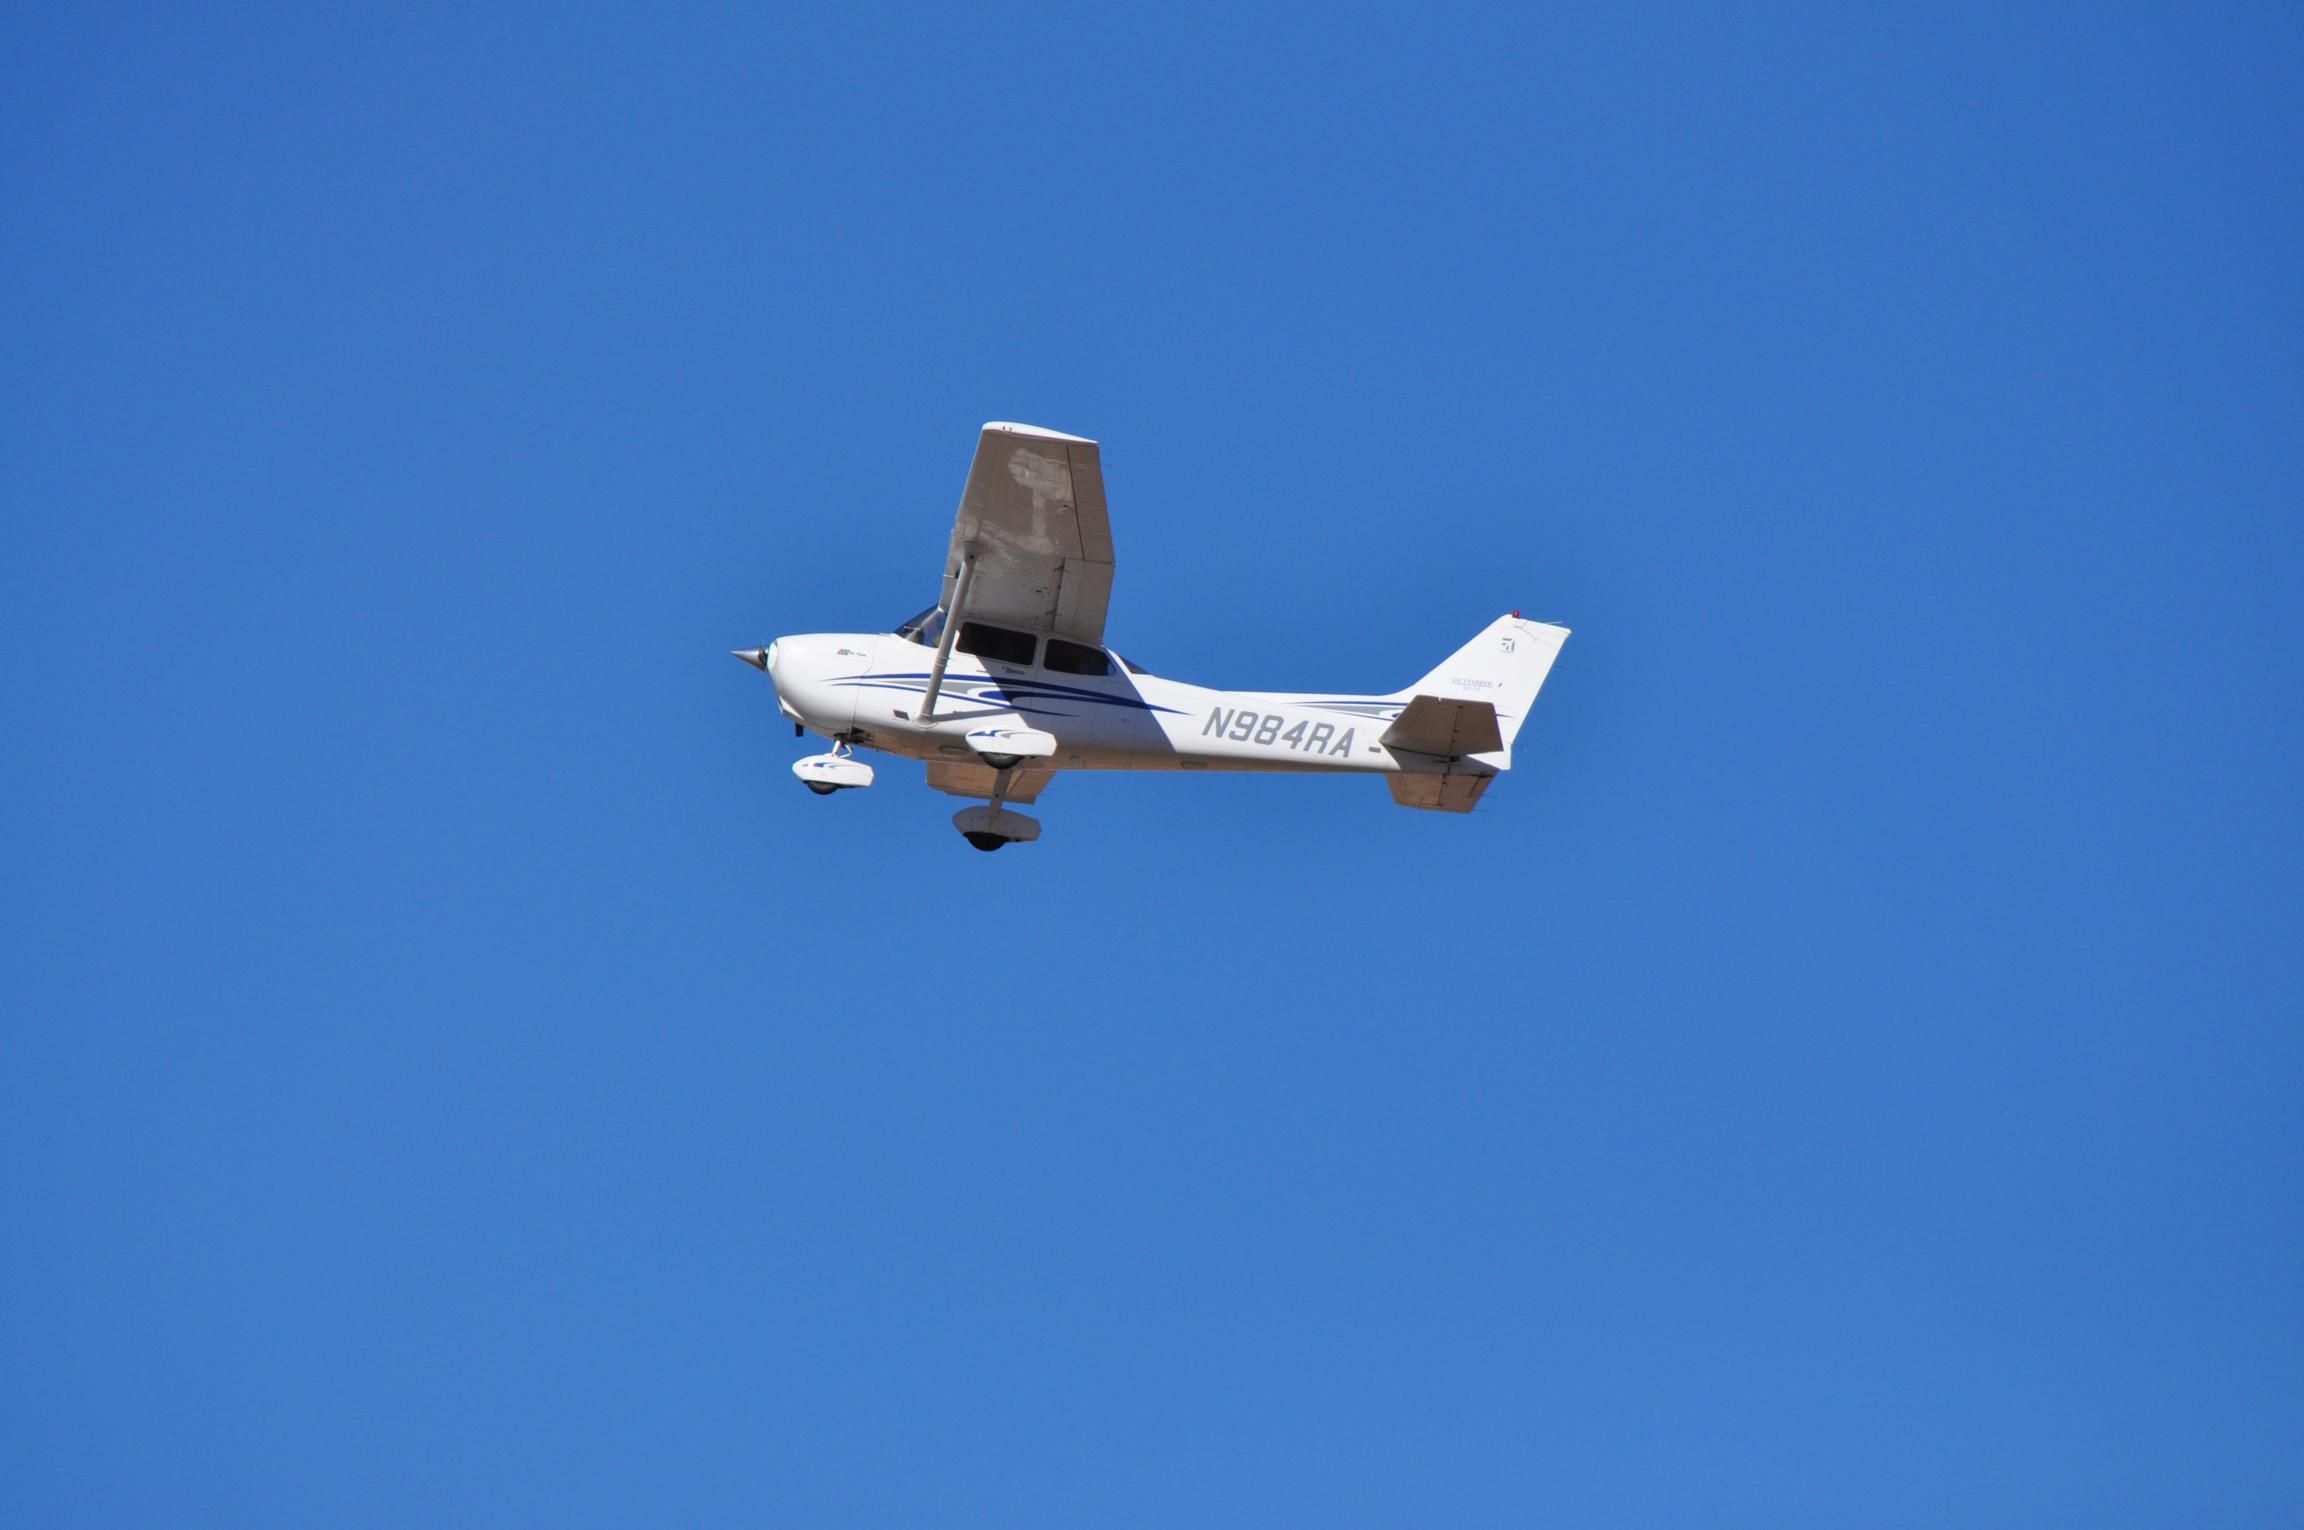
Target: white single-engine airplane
x=1006 y=679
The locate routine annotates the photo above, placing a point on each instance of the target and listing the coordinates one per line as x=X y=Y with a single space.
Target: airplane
x=1006 y=679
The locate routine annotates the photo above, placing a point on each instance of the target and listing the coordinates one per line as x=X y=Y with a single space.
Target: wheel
x=820 y=788
x=984 y=841
x=1003 y=761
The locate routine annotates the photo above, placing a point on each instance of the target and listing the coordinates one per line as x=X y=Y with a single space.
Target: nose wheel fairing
x=825 y=774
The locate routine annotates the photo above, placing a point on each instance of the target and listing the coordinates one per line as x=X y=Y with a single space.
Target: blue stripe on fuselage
x=1033 y=690
x=991 y=709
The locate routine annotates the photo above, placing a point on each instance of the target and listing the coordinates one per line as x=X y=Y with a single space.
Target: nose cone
x=815 y=675
x=756 y=657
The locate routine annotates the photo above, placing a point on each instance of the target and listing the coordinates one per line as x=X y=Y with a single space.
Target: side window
x=996 y=643
x=1075 y=659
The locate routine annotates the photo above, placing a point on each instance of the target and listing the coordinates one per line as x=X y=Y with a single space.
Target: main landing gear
x=988 y=828
x=991 y=826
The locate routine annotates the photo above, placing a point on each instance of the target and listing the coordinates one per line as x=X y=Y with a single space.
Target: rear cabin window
x=1075 y=659
x=925 y=628
x=996 y=643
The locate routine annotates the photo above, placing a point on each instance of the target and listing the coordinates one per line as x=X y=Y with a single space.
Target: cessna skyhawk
x=1006 y=679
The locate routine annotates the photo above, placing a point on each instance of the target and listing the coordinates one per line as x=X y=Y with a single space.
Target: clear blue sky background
x=1847 y=1074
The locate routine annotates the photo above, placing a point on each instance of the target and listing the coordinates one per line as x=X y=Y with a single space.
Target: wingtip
x=1011 y=427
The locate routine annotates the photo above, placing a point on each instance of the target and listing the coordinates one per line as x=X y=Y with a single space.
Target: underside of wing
x=978 y=781
x=1033 y=518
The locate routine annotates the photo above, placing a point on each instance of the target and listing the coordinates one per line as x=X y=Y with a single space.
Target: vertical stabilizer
x=1504 y=666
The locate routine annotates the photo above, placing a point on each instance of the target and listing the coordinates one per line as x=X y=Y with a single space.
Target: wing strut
x=944 y=641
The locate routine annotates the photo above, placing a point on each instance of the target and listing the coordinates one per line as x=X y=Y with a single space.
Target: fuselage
x=867 y=689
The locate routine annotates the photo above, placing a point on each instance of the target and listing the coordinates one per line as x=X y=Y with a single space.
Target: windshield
x=925 y=628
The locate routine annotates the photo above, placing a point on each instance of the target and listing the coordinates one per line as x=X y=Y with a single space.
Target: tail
x=1504 y=666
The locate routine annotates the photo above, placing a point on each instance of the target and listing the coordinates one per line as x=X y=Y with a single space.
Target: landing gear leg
x=982 y=839
x=992 y=825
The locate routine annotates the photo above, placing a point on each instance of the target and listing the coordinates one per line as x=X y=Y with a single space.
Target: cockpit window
x=1074 y=659
x=996 y=643
x=925 y=628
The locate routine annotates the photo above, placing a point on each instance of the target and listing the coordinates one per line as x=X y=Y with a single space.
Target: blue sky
x=1847 y=1074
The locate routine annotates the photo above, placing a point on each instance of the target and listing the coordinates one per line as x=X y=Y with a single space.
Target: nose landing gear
x=825 y=774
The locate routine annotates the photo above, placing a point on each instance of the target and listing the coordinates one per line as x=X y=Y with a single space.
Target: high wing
x=1033 y=518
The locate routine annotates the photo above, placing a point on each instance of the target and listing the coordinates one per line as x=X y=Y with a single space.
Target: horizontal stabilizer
x=1448 y=729
x=1455 y=792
